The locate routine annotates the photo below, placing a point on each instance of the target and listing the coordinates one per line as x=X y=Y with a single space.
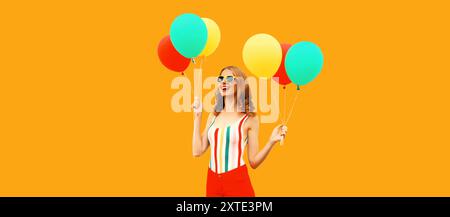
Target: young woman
x=231 y=126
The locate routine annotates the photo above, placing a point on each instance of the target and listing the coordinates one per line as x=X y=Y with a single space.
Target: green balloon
x=303 y=62
x=188 y=34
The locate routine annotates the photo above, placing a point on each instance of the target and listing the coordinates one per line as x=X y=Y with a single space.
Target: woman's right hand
x=197 y=107
x=278 y=133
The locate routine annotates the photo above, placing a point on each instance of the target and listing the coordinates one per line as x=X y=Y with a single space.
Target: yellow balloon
x=213 y=37
x=262 y=55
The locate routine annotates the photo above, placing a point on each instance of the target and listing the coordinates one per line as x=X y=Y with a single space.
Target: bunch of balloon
x=190 y=37
x=300 y=63
x=303 y=62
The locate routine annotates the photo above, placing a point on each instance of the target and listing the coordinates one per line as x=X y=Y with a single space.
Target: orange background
x=85 y=102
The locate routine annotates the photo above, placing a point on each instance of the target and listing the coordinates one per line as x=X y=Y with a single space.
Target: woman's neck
x=230 y=104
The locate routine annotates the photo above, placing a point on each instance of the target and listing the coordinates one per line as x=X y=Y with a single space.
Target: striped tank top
x=227 y=146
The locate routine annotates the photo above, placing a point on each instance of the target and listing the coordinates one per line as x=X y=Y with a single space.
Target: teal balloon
x=303 y=62
x=188 y=34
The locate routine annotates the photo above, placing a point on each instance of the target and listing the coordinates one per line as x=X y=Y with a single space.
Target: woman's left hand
x=278 y=133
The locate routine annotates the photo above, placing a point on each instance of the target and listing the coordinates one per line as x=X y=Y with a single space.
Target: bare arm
x=256 y=156
x=199 y=141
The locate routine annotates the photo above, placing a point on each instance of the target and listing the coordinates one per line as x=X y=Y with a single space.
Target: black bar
x=259 y=206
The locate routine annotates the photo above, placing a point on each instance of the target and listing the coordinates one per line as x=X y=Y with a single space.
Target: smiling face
x=227 y=87
x=232 y=82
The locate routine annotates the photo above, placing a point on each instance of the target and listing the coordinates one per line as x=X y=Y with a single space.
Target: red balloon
x=281 y=75
x=170 y=57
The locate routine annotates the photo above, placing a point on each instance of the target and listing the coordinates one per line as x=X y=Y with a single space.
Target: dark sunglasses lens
x=220 y=79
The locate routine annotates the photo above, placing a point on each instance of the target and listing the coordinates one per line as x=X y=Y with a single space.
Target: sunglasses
x=227 y=79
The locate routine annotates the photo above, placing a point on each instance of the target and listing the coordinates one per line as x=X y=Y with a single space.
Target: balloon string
x=292 y=107
x=284 y=105
x=283 y=120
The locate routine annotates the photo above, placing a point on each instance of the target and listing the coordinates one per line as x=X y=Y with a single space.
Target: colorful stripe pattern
x=227 y=146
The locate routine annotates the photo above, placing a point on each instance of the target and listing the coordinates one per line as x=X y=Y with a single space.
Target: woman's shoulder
x=252 y=121
x=211 y=116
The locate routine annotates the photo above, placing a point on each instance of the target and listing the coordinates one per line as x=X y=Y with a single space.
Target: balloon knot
x=284 y=87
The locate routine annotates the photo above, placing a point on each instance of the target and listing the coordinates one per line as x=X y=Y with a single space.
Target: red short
x=234 y=183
